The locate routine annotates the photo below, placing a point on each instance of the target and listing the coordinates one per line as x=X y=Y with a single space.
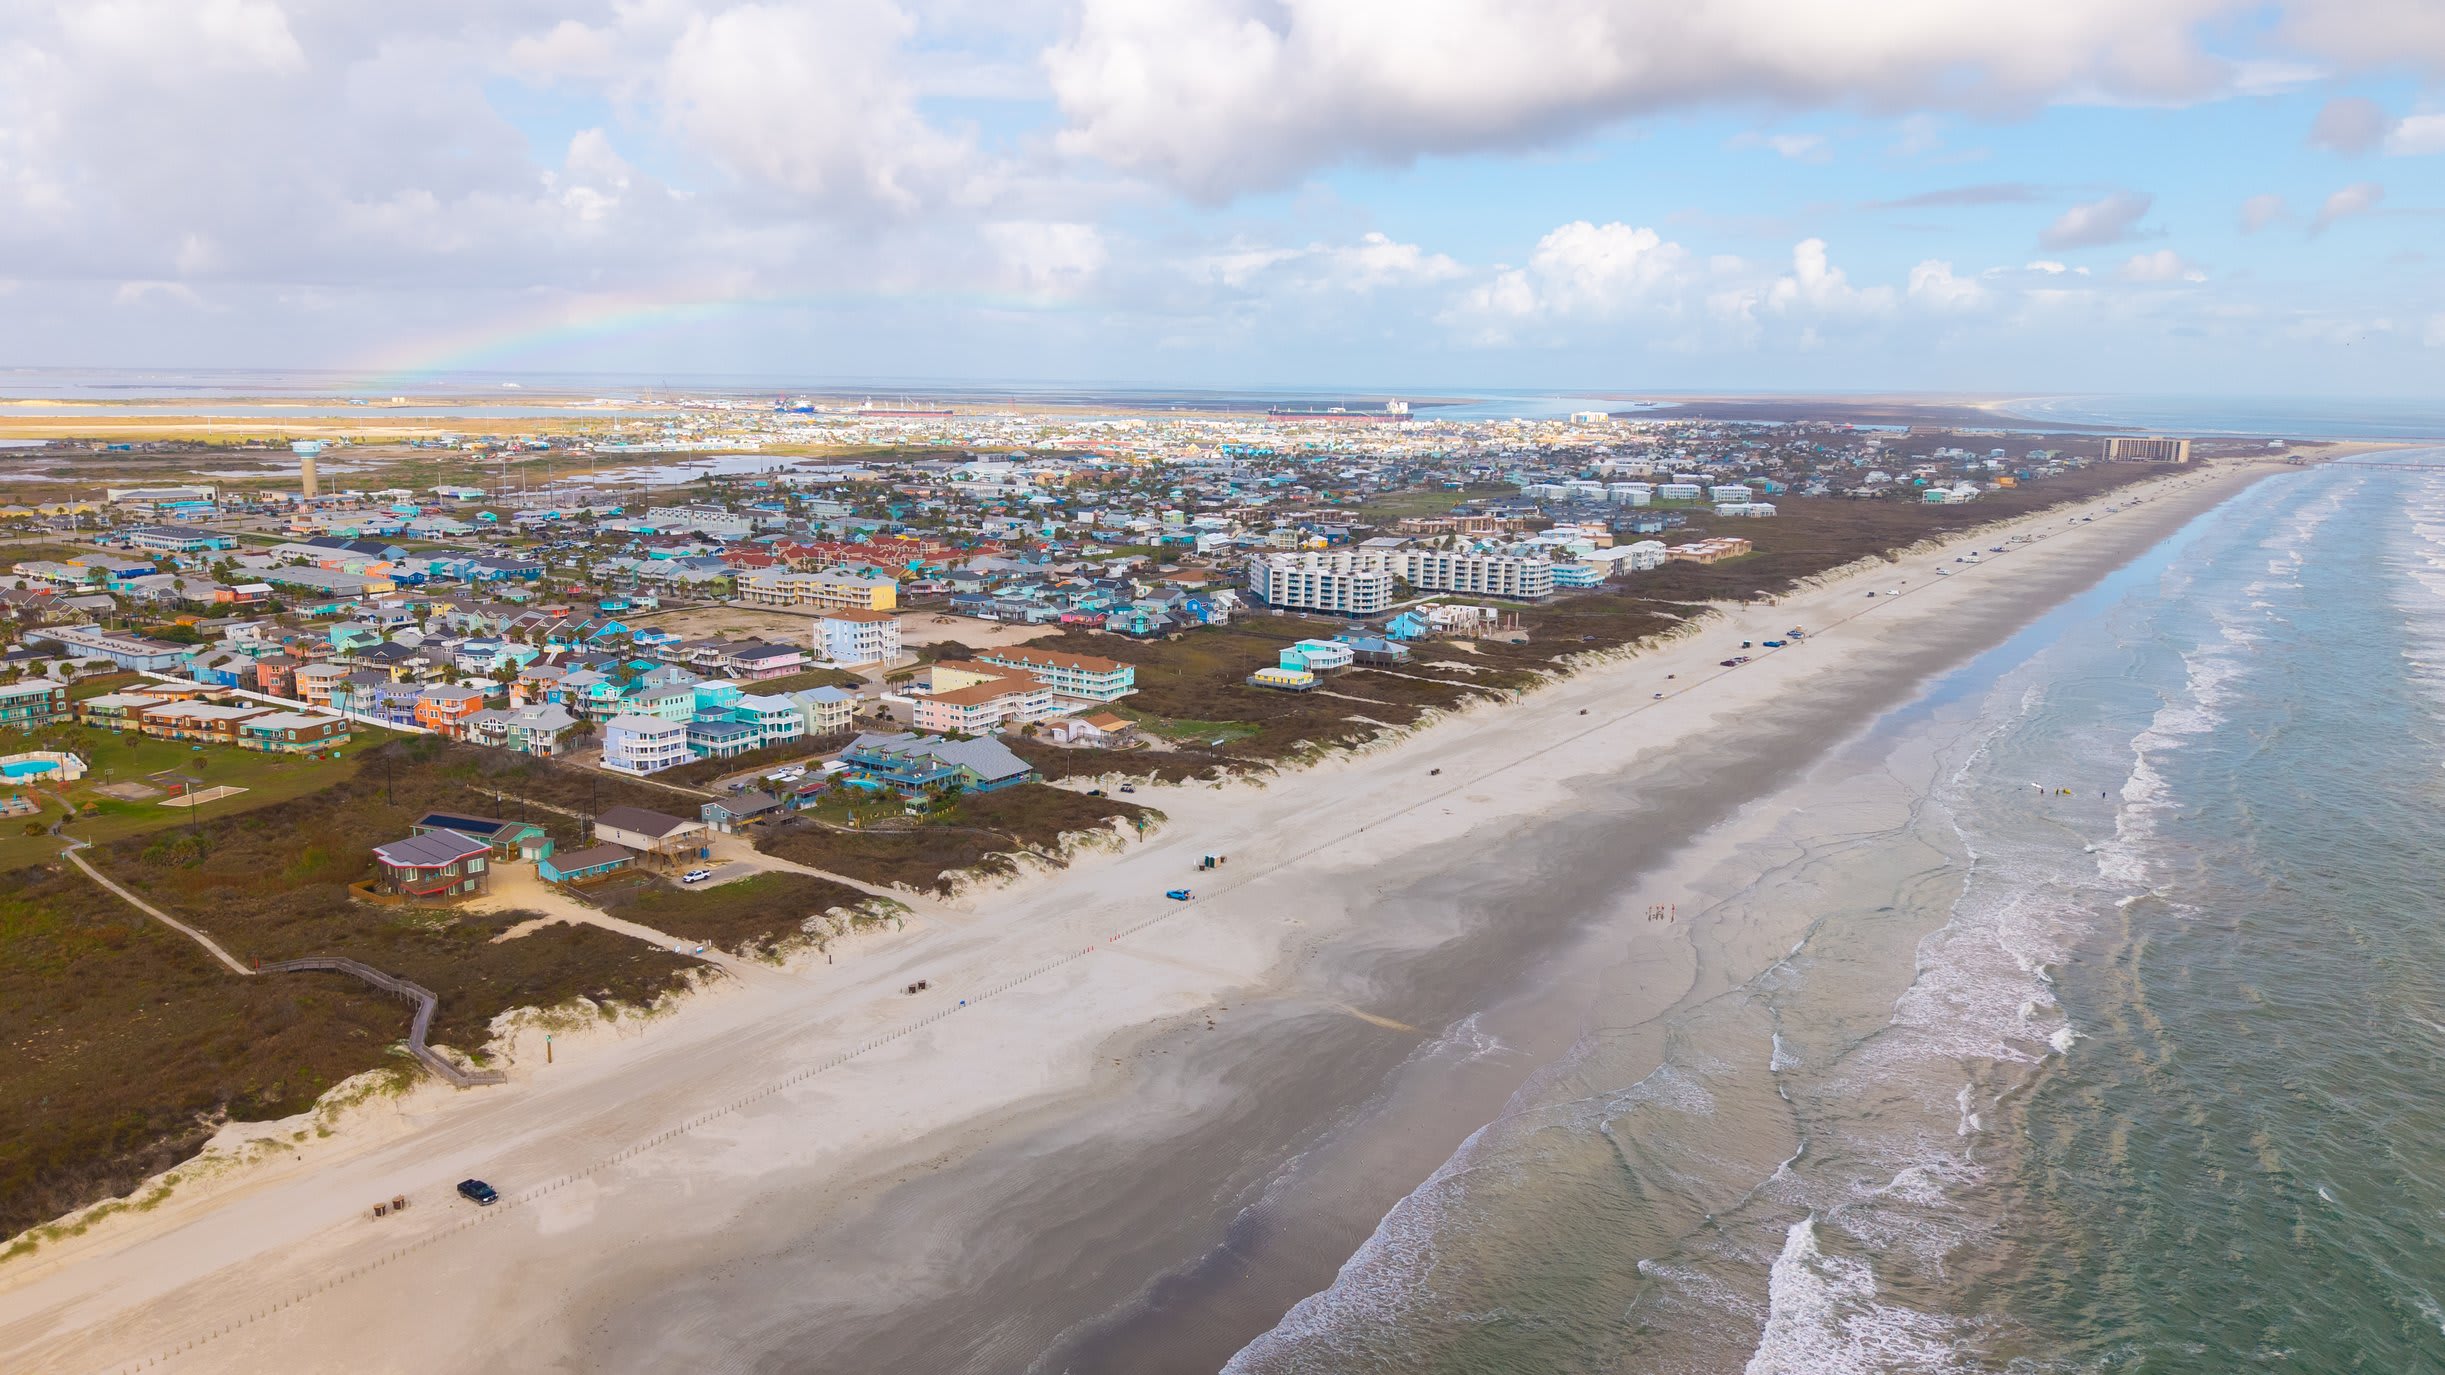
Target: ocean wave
x=1823 y=1318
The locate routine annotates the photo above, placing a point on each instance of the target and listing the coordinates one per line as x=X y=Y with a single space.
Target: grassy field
x=1387 y=507
x=977 y=835
x=746 y=917
x=125 y=758
x=128 y=1045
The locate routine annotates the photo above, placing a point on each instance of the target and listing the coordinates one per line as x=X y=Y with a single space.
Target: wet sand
x=1137 y=1155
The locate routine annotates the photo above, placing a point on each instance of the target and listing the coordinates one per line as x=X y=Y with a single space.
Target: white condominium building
x=1341 y=582
x=851 y=637
x=1347 y=580
x=1492 y=575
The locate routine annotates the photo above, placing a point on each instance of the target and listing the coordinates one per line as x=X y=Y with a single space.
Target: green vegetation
x=127 y=1044
x=1194 y=732
x=113 y=758
x=749 y=917
x=1384 y=508
x=973 y=833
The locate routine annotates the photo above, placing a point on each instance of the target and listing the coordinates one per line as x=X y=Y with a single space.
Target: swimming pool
x=26 y=768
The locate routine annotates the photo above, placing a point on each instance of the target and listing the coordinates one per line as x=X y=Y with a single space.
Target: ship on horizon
x=1393 y=412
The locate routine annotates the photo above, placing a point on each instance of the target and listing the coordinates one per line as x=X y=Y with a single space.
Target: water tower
x=306 y=449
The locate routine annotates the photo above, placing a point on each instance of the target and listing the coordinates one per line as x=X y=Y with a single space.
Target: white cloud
x=1795 y=147
x=2110 y=220
x=1377 y=260
x=1221 y=96
x=809 y=99
x=1048 y=260
x=2417 y=135
x=161 y=39
x=1601 y=269
x=2164 y=265
x=2359 y=198
x=1815 y=284
x=2262 y=210
x=1374 y=262
x=136 y=293
x=1932 y=284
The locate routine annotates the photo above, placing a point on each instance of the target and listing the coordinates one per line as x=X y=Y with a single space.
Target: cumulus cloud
x=2359 y=198
x=1814 y=283
x=2111 y=220
x=2417 y=135
x=1579 y=272
x=1932 y=284
x=172 y=39
x=1599 y=269
x=1222 y=96
x=2350 y=124
x=2262 y=210
x=2164 y=265
x=1048 y=259
x=2384 y=33
x=807 y=99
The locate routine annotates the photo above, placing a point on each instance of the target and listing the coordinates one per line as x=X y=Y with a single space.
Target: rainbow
x=562 y=321
x=540 y=329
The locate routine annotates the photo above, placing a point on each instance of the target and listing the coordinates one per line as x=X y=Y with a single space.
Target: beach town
x=835 y=766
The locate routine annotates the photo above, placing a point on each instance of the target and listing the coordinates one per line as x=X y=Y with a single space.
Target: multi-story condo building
x=1336 y=582
x=1358 y=582
x=781 y=587
x=978 y=699
x=1081 y=677
x=855 y=636
x=1492 y=575
x=28 y=705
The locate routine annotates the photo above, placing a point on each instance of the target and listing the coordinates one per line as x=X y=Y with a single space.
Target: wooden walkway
x=418 y=1027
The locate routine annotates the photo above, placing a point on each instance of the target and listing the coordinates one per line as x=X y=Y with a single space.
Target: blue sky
x=1921 y=195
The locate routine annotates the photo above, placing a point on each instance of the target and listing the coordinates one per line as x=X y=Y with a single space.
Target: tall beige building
x=2148 y=449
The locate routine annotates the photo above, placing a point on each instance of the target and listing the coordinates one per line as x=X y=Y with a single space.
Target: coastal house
x=585 y=866
x=660 y=841
x=508 y=839
x=292 y=732
x=644 y=744
x=432 y=867
x=911 y=763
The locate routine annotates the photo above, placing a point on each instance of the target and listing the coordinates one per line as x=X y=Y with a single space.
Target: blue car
x=478 y=1192
x=1177 y=894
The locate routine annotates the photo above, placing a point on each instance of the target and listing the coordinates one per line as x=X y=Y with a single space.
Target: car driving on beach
x=478 y=1192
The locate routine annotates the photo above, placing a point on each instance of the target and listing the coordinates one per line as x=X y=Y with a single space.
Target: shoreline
x=741 y=1121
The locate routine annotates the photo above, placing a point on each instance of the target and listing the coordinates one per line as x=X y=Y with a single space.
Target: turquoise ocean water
x=2121 y=1048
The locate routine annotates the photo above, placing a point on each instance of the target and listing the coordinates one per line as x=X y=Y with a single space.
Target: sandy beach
x=1116 y=1133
